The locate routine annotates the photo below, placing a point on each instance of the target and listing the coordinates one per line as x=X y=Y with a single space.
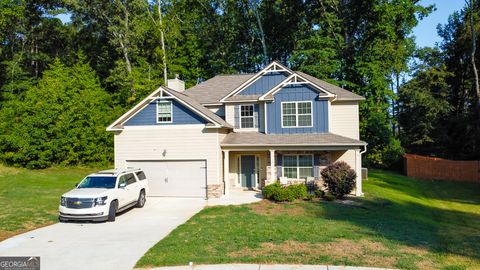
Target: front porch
x=251 y=169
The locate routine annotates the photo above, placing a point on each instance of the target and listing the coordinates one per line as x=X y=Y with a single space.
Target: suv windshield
x=98 y=182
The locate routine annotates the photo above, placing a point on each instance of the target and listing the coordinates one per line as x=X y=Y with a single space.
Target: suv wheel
x=112 y=212
x=141 y=199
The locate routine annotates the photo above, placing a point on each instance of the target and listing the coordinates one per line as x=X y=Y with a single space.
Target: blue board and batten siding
x=263 y=84
x=297 y=93
x=181 y=115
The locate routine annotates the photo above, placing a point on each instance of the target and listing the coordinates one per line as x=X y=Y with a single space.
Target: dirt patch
x=268 y=208
x=364 y=251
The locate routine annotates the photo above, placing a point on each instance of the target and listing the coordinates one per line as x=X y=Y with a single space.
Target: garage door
x=174 y=178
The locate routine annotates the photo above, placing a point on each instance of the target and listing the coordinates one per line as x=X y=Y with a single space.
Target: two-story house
x=239 y=131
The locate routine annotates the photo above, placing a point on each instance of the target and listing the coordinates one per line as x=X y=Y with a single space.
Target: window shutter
x=256 y=108
x=279 y=165
x=237 y=116
x=316 y=166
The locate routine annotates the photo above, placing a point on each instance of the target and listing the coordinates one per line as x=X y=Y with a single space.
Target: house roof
x=300 y=139
x=190 y=101
x=341 y=93
x=213 y=90
x=194 y=105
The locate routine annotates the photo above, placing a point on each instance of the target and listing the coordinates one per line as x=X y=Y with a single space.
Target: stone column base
x=214 y=191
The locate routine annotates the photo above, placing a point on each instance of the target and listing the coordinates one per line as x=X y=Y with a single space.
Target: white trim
x=171 y=111
x=141 y=103
x=137 y=108
x=240 y=116
x=329 y=111
x=240 y=101
x=294 y=79
x=298 y=165
x=272 y=67
x=212 y=104
x=150 y=127
x=265 y=115
x=296 y=113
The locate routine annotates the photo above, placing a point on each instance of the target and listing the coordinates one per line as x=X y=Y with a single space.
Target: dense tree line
x=61 y=84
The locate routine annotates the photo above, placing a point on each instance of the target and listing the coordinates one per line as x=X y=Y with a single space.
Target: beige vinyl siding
x=353 y=158
x=218 y=110
x=230 y=114
x=189 y=142
x=344 y=119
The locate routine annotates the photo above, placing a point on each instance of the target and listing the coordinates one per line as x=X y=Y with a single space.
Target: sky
x=426 y=30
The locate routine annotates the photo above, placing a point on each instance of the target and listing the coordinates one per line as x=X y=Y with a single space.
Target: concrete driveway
x=116 y=245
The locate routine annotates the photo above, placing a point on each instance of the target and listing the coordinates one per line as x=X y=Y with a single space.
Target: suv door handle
x=166 y=179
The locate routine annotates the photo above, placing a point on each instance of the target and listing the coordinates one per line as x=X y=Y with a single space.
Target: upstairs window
x=164 y=111
x=297 y=114
x=247 y=118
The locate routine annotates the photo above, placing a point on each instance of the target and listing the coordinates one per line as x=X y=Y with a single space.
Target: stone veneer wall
x=214 y=191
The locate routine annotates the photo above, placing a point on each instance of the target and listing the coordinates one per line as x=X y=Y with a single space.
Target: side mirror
x=122 y=185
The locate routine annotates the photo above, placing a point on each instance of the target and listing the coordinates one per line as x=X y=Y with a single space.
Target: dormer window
x=164 y=111
x=247 y=118
x=296 y=114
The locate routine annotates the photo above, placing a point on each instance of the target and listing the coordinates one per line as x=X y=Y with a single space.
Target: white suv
x=101 y=195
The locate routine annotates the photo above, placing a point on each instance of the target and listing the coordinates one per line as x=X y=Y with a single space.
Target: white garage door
x=174 y=178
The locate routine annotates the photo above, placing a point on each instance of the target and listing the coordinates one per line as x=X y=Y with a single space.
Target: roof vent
x=176 y=84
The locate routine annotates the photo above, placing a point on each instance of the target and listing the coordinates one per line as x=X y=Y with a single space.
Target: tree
x=61 y=119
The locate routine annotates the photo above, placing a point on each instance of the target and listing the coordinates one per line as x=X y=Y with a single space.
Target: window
x=130 y=179
x=298 y=166
x=247 y=117
x=297 y=114
x=141 y=175
x=164 y=111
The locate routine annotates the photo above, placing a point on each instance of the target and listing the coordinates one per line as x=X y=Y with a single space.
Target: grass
x=400 y=223
x=29 y=198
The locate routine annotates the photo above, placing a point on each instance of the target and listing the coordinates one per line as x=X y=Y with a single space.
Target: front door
x=247 y=172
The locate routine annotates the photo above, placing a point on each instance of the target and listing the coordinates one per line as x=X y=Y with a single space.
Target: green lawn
x=401 y=223
x=29 y=198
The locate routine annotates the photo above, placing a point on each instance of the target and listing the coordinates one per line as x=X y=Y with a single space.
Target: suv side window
x=130 y=178
x=141 y=175
x=122 y=179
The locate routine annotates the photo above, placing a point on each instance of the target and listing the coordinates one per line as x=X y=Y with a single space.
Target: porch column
x=272 y=166
x=226 y=170
x=358 y=170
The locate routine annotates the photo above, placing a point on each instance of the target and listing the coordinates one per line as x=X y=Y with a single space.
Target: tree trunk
x=262 y=34
x=162 y=41
x=475 y=74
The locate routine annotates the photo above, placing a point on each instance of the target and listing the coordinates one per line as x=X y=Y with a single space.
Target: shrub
x=329 y=197
x=299 y=191
x=339 y=179
x=319 y=193
x=278 y=193
x=309 y=197
x=270 y=190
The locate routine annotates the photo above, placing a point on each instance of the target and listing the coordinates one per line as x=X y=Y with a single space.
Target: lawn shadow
x=413 y=224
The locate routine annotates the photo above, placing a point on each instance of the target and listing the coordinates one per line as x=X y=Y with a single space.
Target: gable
x=181 y=115
x=298 y=93
x=264 y=83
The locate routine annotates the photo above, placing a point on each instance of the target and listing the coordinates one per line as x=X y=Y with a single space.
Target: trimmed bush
x=339 y=179
x=270 y=190
x=319 y=193
x=278 y=193
x=299 y=191
x=329 y=197
x=309 y=197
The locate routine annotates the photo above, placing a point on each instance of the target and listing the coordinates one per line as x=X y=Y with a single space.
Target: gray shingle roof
x=307 y=139
x=341 y=93
x=243 y=97
x=190 y=101
x=213 y=90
